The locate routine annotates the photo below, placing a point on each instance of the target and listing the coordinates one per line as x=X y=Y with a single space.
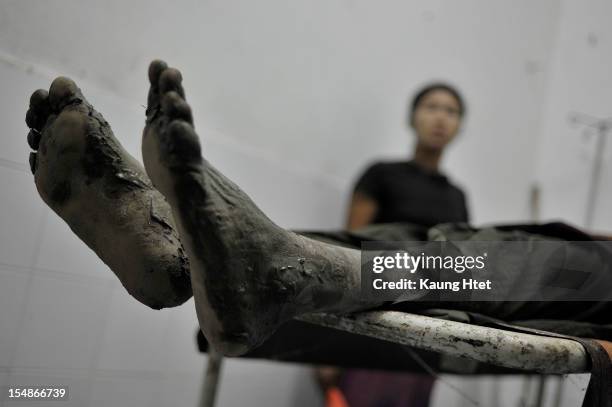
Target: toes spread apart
x=36 y=117
x=63 y=91
x=155 y=69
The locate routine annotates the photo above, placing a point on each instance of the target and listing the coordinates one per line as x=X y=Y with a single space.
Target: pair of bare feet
x=179 y=226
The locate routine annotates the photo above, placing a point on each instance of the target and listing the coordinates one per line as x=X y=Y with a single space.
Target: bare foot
x=84 y=175
x=248 y=275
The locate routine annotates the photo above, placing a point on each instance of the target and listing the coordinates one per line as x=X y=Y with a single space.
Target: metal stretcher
x=514 y=350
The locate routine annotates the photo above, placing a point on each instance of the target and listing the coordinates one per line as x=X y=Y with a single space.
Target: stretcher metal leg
x=212 y=379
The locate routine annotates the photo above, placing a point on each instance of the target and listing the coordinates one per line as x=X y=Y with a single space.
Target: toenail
x=34 y=139
x=32 y=160
x=62 y=91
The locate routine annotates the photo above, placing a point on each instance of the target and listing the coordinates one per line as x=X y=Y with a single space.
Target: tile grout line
x=165 y=376
x=97 y=351
x=42 y=222
x=60 y=275
x=13 y=165
x=107 y=373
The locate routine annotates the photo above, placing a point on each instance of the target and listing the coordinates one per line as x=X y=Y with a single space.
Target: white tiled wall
x=15 y=281
x=63 y=321
x=58 y=244
x=579 y=82
x=20 y=234
x=290 y=100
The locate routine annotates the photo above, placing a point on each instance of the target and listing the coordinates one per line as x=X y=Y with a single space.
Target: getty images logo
x=405 y=261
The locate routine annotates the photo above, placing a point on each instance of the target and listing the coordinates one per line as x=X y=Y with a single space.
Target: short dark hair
x=418 y=97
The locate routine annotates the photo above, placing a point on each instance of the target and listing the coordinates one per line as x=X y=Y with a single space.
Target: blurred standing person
x=412 y=191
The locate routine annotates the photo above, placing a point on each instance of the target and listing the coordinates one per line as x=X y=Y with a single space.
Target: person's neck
x=426 y=158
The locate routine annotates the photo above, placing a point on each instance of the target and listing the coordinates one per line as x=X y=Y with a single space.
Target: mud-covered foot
x=248 y=275
x=84 y=175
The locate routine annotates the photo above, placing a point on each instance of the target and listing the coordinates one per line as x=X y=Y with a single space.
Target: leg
x=248 y=275
x=86 y=177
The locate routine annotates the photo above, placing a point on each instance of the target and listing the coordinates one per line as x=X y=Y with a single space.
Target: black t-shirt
x=405 y=192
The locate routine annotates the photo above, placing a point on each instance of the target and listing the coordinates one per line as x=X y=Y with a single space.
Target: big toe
x=64 y=91
x=155 y=69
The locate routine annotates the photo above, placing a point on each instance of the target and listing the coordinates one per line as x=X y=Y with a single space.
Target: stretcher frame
x=514 y=350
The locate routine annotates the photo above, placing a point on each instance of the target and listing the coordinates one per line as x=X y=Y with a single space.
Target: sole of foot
x=248 y=275
x=104 y=195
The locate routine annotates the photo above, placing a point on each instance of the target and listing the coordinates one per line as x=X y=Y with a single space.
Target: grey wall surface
x=291 y=100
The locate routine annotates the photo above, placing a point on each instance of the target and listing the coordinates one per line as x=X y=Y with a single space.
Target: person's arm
x=362 y=211
x=366 y=197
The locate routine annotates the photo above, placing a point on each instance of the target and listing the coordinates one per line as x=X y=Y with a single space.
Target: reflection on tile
x=12 y=289
x=181 y=352
x=20 y=217
x=134 y=337
x=262 y=391
x=185 y=390
x=126 y=392
x=64 y=320
x=3 y=377
x=62 y=250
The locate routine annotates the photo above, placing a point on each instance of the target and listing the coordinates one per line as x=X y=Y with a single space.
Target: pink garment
x=372 y=388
